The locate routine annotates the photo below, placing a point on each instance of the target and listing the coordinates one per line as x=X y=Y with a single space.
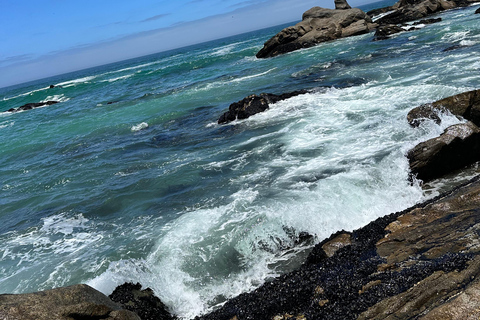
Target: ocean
x=130 y=178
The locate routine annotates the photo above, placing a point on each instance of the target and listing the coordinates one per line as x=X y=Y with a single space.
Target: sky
x=42 y=38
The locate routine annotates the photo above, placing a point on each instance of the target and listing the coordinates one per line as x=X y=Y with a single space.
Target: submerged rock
x=254 y=104
x=456 y=148
x=79 y=302
x=464 y=105
x=30 y=106
x=318 y=25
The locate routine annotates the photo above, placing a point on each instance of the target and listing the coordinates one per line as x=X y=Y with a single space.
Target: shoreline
x=365 y=265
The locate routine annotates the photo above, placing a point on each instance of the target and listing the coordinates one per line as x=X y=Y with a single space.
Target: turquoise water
x=129 y=178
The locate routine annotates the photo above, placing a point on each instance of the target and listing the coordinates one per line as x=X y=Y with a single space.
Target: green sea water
x=130 y=178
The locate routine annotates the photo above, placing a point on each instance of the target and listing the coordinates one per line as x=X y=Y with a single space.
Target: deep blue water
x=129 y=178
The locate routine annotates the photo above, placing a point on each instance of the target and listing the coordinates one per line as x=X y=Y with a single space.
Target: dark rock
x=318 y=25
x=454 y=47
x=385 y=31
x=427 y=21
x=465 y=105
x=52 y=86
x=405 y=265
x=342 y=5
x=30 y=106
x=456 y=148
x=410 y=10
x=254 y=104
x=477 y=11
x=142 y=302
x=79 y=302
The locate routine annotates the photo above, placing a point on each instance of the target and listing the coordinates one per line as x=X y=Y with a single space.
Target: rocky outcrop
x=30 y=106
x=464 y=105
x=79 y=302
x=423 y=263
x=410 y=10
x=456 y=148
x=142 y=302
x=318 y=25
x=385 y=31
x=254 y=104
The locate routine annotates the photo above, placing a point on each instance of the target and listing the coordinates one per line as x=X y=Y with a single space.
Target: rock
x=79 y=302
x=477 y=11
x=409 y=10
x=385 y=31
x=456 y=148
x=318 y=25
x=30 y=106
x=342 y=5
x=465 y=105
x=423 y=262
x=254 y=104
x=142 y=302
x=427 y=21
x=454 y=47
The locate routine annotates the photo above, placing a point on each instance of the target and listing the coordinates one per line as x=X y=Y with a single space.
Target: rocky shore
x=320 y=24
x=420 y=263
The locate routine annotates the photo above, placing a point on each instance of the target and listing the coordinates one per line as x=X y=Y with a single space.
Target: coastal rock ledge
x=319 y=25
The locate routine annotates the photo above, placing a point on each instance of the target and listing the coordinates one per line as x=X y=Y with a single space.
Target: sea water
x=130 y=178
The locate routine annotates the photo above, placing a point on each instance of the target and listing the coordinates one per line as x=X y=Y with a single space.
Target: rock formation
x=477 y=11
x=30 y=106
x=318 y=25
x=342 y=5
x=254 y=104
x=464 y=105
x=456 y=148
x=79 y=302
x=409 y=10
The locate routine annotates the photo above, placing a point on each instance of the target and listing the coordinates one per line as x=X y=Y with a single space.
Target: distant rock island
x=320 y=24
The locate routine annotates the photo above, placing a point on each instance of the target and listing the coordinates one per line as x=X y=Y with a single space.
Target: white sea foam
x=139 y=127
x=75 y=82
x=25 y=94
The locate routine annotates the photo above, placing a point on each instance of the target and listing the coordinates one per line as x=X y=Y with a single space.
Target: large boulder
x=318 y=25
x=456 y=148
x=254 y=104
x=465 y=105
x=78 y=302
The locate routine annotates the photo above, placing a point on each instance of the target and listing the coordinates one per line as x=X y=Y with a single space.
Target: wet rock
x=318 y=25
x=142 y=302
x=30 y=106
x=456 y=148
x=254 y=104
x=410 y=10
x=465 y=105
x=454 y=47
x=477 y=11
x=79 y=302
x=385 y=31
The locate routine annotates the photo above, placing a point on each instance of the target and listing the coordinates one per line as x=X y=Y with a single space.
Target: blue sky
x=44 y=38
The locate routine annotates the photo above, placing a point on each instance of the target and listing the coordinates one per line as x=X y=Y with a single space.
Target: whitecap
x=139 y=127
